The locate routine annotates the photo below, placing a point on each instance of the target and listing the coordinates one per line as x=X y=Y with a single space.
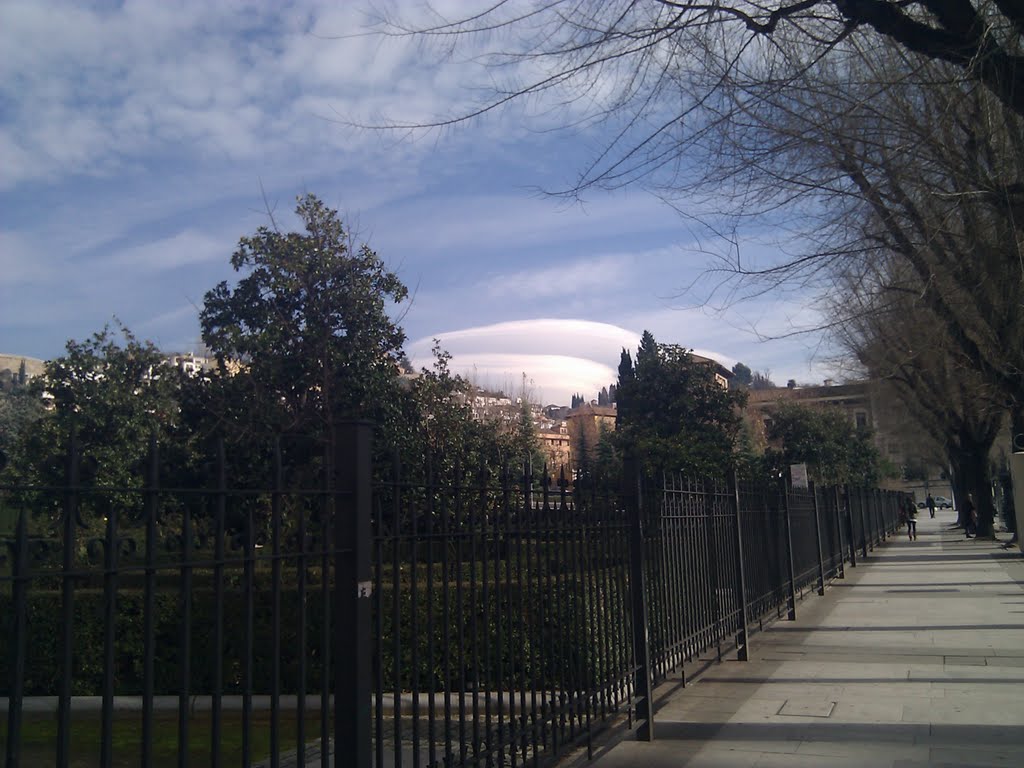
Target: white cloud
x=582 y=276
x=88 y=89
x=185 y=248
x=558 y=357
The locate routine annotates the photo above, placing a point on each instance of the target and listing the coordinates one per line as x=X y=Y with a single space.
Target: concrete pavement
x=915 y=659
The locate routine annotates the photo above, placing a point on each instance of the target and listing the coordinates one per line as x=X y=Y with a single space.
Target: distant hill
x=33 y=365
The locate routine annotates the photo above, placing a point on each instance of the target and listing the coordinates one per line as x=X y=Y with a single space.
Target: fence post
x=742 y=641
x=711 y=539
x=817 y=535
x=841 y=566
x=866 y=540
x=69 y=521
x=643 y=684
x=17 y=654
x=843 y=503
x=784 y=494
x=880 y=506
x=352 y=651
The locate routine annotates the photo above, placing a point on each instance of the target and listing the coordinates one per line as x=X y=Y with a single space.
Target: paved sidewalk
x=915 y=659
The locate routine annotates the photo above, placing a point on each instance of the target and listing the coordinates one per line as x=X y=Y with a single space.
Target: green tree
x=305 y=334
x=673 y=413
x=20 y=409
x=742 y=376
x=826 y=441
x=113 y=394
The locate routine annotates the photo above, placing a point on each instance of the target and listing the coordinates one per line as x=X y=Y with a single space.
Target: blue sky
x=138 y=140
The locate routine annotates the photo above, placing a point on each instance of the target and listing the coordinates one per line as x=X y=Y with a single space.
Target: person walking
x=970 y=517
x=930 y=503
x=911 y=513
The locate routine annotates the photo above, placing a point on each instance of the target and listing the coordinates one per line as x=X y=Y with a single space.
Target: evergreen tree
x=742 y=376
x=673 y=413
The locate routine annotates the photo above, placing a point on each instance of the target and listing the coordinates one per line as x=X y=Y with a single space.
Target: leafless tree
x=867 y=128
x=905 y=346
x=647 y=68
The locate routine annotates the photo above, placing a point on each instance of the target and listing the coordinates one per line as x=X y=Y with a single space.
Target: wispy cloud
x=182 y=249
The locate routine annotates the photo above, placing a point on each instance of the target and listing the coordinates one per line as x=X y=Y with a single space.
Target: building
x=868 y=405
x=722 y=374
x=585 y=425
x=554 y=442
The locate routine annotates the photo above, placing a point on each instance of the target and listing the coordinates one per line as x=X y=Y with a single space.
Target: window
x=862 y=420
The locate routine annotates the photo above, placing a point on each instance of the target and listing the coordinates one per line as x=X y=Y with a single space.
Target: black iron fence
x=440 y=616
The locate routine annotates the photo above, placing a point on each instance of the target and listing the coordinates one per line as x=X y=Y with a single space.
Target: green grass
x=39 y=737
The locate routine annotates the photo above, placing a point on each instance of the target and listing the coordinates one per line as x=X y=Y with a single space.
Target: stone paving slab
x=915 y=659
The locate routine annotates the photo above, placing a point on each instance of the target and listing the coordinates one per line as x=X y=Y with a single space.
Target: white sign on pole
x=798 y=475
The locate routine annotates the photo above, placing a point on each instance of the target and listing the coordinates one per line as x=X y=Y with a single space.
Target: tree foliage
x=672 y=413
x=305 y=335
x=824 y=439
x=742 y=376
x=113 y=393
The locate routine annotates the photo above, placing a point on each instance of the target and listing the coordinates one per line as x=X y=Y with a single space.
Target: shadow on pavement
x=802 y=730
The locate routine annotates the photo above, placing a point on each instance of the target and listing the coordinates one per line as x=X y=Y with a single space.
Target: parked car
x=943 y=503
x=921 y=505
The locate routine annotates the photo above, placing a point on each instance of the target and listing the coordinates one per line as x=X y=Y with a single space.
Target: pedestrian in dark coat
x=910 y=510
x=970 y=517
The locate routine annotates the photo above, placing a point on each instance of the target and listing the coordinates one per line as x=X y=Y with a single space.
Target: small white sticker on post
x=364 y=589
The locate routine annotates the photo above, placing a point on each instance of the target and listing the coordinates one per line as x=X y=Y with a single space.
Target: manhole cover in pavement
x=807 y=708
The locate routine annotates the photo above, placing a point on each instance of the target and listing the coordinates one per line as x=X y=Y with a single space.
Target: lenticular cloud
x=558 y=357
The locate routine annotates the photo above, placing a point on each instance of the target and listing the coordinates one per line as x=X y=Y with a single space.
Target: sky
x=140 y=140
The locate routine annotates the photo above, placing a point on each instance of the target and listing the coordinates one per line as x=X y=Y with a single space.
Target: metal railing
x=431 y=616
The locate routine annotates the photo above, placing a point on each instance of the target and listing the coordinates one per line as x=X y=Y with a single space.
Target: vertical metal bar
x=149 y=599
x=530 y=513
x=839 y=518
x=474 y=633
x=460 y=603
x=327 y=515
x=67 y=604
x=817 y=536
x=396 y=618
x=502 y=558
x=791 y=598
x=185 y=638
x=549 y=544
x=219 y=513
x=109 y=626
x=594 y=673
x=488 y=608
x=843 y=503
x=431 y=538
x=712 y=560
x=301 y=563
x=742 y=640
x=865 y=535
x=249 y=601
x=415 y=633
x=643 y=684
x=446 y=624
x=275 y=608
x=15 y=700
x=525 y=653
x=353 y=645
